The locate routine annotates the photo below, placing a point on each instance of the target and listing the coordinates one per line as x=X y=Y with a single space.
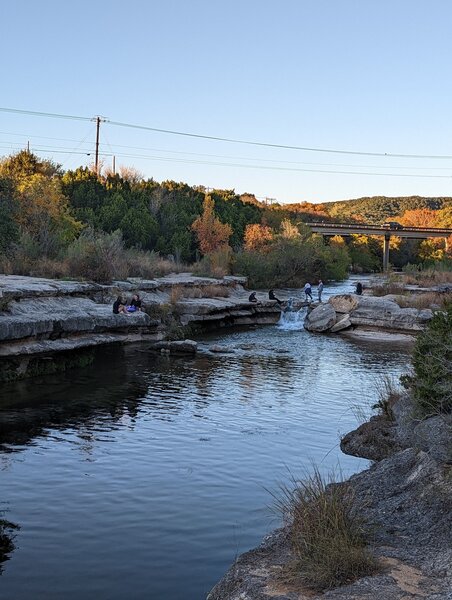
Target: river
x=143 y=477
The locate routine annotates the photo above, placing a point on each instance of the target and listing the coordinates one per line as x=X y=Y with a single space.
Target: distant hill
x=377 y=209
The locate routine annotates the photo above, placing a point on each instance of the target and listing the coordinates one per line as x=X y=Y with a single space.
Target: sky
x=351 y=75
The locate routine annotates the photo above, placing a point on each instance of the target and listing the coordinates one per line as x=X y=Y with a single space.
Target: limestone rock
x=221 y=349
x=344 y=303
x=177 y=347
x=343 y=323
x=376 y=439
x=322 y=318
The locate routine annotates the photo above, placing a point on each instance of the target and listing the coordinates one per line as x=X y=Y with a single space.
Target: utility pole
x=114 y=165
x=98 y=120
x=96 y=163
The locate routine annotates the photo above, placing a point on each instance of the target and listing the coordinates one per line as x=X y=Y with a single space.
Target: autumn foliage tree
x=212 y=234
x=257 y=237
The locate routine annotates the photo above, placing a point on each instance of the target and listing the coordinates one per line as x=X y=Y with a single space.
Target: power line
x=262 y=167
x=228 y=140
x=281 y=146
x=290 y=162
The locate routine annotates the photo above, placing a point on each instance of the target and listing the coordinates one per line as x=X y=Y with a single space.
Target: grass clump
x=327 y=535
x=388 y=392
x=431 y=383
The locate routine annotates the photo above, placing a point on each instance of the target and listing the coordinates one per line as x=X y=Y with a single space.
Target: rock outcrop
x=405 y=498
x=40 y=317
x=351 y=310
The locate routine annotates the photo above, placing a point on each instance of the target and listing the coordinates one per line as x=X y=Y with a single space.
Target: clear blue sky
x=349 y=74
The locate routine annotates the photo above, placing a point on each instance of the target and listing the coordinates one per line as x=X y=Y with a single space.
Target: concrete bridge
x=392 y=228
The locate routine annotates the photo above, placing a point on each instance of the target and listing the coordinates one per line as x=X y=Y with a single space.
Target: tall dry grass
x=327 y=535
x=424 y=300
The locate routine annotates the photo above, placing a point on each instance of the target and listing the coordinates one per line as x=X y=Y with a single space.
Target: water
x=143 y=477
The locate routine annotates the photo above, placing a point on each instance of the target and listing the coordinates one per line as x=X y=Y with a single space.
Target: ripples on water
x=143 y=477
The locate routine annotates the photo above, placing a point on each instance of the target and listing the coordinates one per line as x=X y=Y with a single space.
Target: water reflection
x=7 y=536
x=171 y=456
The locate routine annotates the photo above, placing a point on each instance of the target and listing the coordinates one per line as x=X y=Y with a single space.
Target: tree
x=420 y=217
x=212 y=234
x=257 y=237
x=24 y=164
x=9 y=231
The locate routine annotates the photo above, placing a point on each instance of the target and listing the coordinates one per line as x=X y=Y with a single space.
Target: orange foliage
x=212 y=234
x=420 y=217
x=257 y=236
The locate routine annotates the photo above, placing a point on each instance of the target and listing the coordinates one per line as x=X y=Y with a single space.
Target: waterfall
x=292 y=320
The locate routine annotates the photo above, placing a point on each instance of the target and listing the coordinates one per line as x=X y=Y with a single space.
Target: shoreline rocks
x=406 y=499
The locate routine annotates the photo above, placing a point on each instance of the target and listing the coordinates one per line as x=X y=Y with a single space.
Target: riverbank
x=47 y=325
x=405 y=498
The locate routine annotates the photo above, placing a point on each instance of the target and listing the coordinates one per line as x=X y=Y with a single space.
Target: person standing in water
x=307 y=292
x=320 y=290
x=359 y=288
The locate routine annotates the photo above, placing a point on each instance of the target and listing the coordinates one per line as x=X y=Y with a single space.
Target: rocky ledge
x=405 y=497
x=347 y=311
x=43 y=316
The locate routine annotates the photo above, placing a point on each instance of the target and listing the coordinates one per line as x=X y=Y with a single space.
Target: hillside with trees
x=77 y=224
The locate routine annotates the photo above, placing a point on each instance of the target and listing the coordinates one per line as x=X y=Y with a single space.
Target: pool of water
x=144 y=476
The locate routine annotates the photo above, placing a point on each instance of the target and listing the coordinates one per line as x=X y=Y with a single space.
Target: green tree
x=9 y=231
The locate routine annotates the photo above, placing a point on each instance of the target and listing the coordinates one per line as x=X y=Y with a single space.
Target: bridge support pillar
x=386 y=252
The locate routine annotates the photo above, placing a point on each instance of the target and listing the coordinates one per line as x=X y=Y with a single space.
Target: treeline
x=74 y=223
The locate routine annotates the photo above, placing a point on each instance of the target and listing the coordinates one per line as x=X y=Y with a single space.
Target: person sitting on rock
x=135 y=304
x=119 y=306
x=252 y=297
x=271 y=296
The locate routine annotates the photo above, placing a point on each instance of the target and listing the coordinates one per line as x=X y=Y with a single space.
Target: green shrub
x=327 y=536
x=98 y=256
x=431 y=383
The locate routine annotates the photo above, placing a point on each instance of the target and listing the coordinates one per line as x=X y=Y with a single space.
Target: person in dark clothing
x=135 y=304
x=252 y=297
x=271 y=296
x=119 y=306
x=359 y=288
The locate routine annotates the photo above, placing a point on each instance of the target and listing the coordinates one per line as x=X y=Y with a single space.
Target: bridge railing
x=444 y=230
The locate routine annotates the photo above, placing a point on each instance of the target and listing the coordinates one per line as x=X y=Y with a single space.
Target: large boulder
x=343 y=323
x=344 y=303
x=322 y=318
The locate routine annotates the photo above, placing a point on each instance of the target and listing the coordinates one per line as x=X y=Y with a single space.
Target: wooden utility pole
x=96 y=162
x=114 y=165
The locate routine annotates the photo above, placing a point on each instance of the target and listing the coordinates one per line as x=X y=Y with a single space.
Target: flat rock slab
x=221 y=349
x=177 y=347
x=377 y=335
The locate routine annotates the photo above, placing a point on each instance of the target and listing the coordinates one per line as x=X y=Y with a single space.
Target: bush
x=327 y=536
x=98 y=256
x=431 y=383
x=290 y=262
x=216 y=264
